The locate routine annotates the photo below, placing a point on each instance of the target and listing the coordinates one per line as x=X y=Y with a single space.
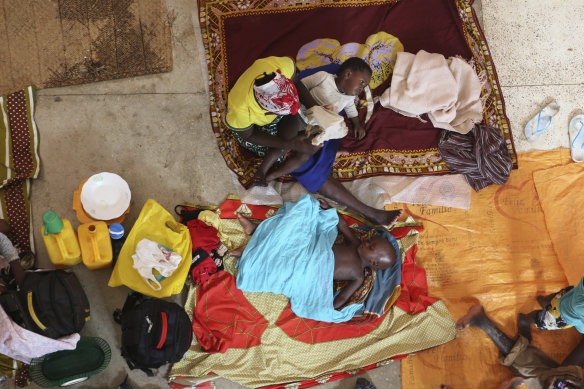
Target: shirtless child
x=351 y=257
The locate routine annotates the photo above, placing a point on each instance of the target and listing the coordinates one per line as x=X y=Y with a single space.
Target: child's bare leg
x=290 y=165
x=334 y=190
x=341 y=153
x=476 y=318
x=288 y=128
x=524 y=322
x=237 y=252
x=249 y=227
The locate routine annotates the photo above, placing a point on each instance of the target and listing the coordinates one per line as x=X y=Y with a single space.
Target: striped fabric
x=481 y=156
x=19 y=162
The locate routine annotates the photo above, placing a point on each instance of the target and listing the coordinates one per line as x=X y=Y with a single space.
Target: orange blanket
x=500 y=254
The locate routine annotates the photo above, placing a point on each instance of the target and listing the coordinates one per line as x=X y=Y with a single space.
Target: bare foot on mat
x=386 y=218
x=248 y=226
x=236 y=252
x=471 y=317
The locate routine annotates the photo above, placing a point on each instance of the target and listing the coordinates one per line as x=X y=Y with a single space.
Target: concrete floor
x=155 y=132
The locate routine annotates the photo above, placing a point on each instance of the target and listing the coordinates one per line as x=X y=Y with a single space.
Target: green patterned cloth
x=260 y=151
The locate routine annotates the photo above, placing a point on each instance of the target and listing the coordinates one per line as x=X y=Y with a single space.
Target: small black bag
x=154 y=332
x=50 y=303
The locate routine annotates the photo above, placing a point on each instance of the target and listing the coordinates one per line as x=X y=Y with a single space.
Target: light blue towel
x=572 y=306
x=291 y=254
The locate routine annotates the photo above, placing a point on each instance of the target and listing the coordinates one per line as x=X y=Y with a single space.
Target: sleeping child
x=294 y=253
x=336 y=93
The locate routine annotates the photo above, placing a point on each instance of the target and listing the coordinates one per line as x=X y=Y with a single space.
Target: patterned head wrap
x=278 y=96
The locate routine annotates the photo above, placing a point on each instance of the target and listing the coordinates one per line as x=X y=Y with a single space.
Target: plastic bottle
x=60 y=240
x=96 y=248
x=116 y=232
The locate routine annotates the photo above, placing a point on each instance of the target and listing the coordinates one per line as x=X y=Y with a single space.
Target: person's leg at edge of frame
x=576 y=357
x=476 y=317
x=334 y=190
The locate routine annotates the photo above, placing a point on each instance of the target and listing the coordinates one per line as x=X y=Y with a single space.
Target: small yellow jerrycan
x=60 y=240
x=96 y=247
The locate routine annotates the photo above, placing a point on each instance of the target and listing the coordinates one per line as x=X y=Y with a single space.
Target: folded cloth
x=24 y=345
x=201 y=272
x=481 y=156
x=291 y=254
x=448 y=90
x=332 y=124
x=203 y=235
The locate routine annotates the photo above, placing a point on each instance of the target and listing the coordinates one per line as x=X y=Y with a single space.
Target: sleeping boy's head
x=377 y=253
x=353 y=76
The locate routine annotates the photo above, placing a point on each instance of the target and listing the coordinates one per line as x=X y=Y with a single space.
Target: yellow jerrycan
x=96 y=247
x=60 y=240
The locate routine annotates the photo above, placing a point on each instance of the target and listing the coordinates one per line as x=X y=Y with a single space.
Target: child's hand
x=324 y=204
x=359 y=131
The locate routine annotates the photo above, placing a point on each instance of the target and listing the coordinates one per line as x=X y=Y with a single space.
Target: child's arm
x=343 y=226
x=347 y=232
x=358 y=128
x=347 y=292
x=303 y=94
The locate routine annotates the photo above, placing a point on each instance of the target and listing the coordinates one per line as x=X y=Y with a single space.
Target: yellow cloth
x=154 y=223
x=242 y=108
x=379 y=51
x=498 y=254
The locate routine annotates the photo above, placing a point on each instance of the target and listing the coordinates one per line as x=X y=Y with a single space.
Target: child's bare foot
x=248 y=226
x=471 y=318
x=524 y=325
x=341 y=153
x=237 y=252
x=386 y=218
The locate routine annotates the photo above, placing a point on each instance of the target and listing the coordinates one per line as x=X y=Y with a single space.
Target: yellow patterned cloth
x=379 y=51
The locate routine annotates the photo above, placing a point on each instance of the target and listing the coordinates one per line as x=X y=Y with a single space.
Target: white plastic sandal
x=540 y=122
x=576 y=131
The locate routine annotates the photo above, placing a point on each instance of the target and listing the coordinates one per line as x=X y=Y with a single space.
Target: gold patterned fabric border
x=494 y=111
x=213 y=15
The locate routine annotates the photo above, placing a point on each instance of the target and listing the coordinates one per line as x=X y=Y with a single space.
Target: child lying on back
x=337 y=93
x=350 y=258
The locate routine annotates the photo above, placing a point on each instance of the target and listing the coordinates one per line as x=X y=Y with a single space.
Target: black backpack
x=50 y=303
x=154 y=332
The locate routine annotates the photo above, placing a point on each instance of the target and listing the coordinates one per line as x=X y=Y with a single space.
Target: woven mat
x=69 y=42
x=19 y=162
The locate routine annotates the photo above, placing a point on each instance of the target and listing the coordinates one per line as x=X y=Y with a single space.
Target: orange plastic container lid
x=83 y=217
